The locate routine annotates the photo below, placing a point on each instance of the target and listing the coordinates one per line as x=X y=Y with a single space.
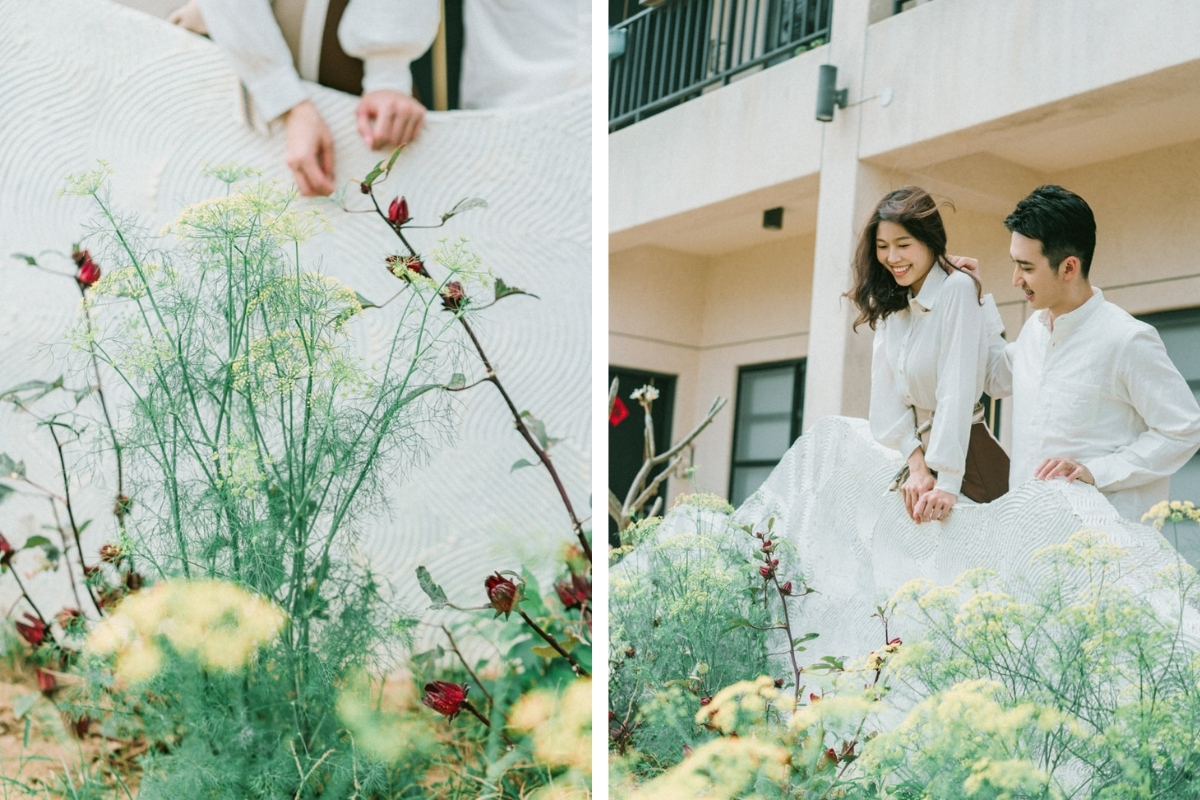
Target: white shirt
x=1100 y=389
x=933 y=357
x=514 y=51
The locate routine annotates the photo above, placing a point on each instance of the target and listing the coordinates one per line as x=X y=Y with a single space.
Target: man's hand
x=920 y=480
x=388 y=119
x=965 y=264
x=1067 y=468
x=309 y=150
x=934 y=504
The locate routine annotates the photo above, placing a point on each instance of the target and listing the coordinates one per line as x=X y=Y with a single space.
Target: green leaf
x=504 y=290
x=457 y=381
x=521 y=463
x=733 y=623
x=546 y=651
x=434 y=592
x=5 y=491
x=22 y=704
x=364 y=302
x=538 y=429
x=35 y=541
x=10 y=468
x=417 y=392
x=464 y=205
x=39 y=388
x=28 y=259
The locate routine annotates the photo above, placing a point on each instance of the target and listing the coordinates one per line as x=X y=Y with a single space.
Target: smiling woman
x=933 y=332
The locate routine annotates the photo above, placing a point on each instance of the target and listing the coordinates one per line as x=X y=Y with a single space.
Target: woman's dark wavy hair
x=875 y=291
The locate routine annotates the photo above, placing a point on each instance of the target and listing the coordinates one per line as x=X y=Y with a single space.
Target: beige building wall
x=700 y=319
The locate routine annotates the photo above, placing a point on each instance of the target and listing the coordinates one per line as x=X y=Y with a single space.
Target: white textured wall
x=87 y=79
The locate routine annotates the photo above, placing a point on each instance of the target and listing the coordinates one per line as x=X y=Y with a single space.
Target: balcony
x=674 y=52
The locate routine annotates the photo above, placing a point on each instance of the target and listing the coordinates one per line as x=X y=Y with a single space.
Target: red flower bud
x=765 y=571
x=6 y=550
x=779 y=683
x=33 y=631
x=812 y=698
x=445 y=697
x=705 y=701
x=630 y=652
x=398 y=211
x=786 y=588
x=404 y=267
x=134 y=581
x=502 y=593
x=80 y=256
x=90 y=571
x=122 y=506
x=687 y=750
x=88 y=272
x=831 y=758
x=45 y=680
x=767 y=545
x=574 y=591
x=111 y=553
x=895 y=641
x=453 y=296
x=364 y=187
x=67 y=616
x=775 y=562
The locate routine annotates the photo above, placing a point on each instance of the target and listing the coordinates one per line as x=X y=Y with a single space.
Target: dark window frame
x=797 y=418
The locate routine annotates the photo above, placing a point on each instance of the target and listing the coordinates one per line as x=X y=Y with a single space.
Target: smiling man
x=1095 y=396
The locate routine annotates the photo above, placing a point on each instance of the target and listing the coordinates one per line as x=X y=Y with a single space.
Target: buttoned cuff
x=1106 y=470
x=949 y=482
x=387 y=72
x=277 y=92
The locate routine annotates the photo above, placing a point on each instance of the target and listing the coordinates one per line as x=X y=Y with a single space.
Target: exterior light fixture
x=828 y=95
x=773 y=219
x=616 y=42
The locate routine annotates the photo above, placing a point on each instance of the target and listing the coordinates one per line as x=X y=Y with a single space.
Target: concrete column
x=839 y=361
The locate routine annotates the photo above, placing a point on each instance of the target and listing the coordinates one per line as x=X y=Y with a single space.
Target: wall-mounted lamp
x=616 y=42
x=773 y=218
x=828 y=95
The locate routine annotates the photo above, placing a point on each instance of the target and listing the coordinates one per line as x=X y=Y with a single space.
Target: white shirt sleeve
x=957 y=373
x=998 y=376
x=388 y=35
x=248 y=33
x=1149 y=382
x=892 y=421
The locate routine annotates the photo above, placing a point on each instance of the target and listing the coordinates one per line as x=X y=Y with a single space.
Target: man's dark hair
x=1061 y=220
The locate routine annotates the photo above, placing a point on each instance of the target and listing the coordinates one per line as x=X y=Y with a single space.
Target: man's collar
x=931 y=288
x=1073 y=319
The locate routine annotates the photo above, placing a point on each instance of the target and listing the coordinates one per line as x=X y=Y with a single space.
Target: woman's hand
x=920 y=481
x=934 y=504
x=309 y=152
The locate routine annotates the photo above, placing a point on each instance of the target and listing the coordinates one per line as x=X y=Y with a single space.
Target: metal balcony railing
x=663 y=56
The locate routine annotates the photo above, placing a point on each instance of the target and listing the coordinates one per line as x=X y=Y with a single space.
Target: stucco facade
x=977 y=101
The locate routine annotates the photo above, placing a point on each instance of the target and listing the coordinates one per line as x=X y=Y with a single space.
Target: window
x=1180 y=332
x=769 y=413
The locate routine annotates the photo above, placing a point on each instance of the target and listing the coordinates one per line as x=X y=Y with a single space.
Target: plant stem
x=118 y=509
x=469 y=707
x=71 y=515
x=551 y=641
x=533 y=443
x=467 y=667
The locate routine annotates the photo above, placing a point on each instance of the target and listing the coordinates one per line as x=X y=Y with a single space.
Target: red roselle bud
x=33 y=631
x=687 y=750
x=67 y=616
x=766 y=571
x=134 y=581
x=705 y=701
x=364 y=187
x=445 y=697
x=453 y=296
x=502 y=594
x=812 y=698
x=767 y=545
x=398 y=211
x=45 y=680
x=111 y=553
x=122 y=506
x=6 y=550
x=895 y=641
x=404 y=267
x=779 y=683
x=88 y=272
x=574 y=591
x=90 y=571
x=786 y=588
